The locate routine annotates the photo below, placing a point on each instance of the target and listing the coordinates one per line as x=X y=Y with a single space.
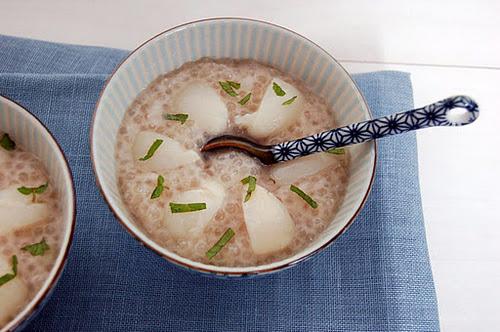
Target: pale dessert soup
x=30 y=227
x=226 y=208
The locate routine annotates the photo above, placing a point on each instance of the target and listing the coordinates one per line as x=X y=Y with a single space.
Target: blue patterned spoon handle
x=437 y=114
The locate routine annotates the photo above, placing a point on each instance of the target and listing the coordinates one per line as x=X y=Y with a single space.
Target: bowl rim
x=187 y=266
x=38 y=301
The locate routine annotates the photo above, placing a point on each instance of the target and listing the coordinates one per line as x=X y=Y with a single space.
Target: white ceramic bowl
x=237 y=39
x=27 y=131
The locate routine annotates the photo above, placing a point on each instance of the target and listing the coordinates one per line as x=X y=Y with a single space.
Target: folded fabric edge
x=9 y=38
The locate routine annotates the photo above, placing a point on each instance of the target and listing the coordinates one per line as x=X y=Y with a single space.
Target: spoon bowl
x=261 y=152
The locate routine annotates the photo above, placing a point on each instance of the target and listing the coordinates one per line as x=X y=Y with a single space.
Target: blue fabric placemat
x=375 y=277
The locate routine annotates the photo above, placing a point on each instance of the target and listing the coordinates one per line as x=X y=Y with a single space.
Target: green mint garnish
x=25 y=190
x=304 y=196
x=187 y=207
x=40 y=189
x=37 y=249
x=9 y=276
x=181 y=117
x=159 y=187
x=252 y=182
x=278 y=90
x=336 y=151
x=226 y=86
x=234 y=85
x=225 y=238
x=152 y=149
x=7 y=143
x=245 y=99
x=33 y=190
x=289 y=101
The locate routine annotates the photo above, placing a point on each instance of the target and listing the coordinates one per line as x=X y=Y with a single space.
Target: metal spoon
x=433 y=115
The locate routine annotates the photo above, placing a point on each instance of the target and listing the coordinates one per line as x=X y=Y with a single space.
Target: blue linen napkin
x=375 y=277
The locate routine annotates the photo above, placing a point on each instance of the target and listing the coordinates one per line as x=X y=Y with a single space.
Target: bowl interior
x=27 y=131
x=236 y=39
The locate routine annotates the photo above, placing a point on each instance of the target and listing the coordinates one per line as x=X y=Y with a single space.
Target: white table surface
x=450 y=47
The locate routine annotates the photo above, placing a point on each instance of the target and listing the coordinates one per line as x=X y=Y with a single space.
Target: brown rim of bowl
x=61 y=266
x=188 y=266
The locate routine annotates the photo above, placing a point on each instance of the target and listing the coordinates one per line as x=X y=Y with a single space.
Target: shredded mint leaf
x=252 y=182
x=159 y=187
x=181 y=117
x=336 y=151
x=37 y=249
x=187 y=207
x=152 y=149
x=9 y=276
x=226 y=86
x=33 y=190
x=234 y=85
x=225 y=238
x=7 y=143
x=304 y=196
x=245 y=99
x=41 y=189
x=25 y=190
x=289 y=101
x=278 y=90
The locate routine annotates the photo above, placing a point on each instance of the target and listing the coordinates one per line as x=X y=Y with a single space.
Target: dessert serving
x=31 y=227
x=226 y=208
x=224 y=211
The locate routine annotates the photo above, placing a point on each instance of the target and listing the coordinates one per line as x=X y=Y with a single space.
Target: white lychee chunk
x=204 y=106
x=169 y=155
x=268 y=223
x=18 y=210
x=13 y=294
x=272 y=116
x=187 y=224
x=290 y=171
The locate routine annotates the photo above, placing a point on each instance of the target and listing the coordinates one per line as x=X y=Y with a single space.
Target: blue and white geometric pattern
x=437 y=114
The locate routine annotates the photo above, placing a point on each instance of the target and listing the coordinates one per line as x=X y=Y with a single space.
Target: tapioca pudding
x=31 y=227
x=226 y=208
